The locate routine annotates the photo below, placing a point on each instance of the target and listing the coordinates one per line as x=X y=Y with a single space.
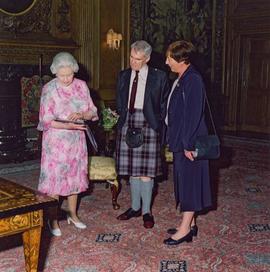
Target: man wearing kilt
x=142 y=93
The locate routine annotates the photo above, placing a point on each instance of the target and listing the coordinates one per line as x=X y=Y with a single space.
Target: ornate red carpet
x=234 y=237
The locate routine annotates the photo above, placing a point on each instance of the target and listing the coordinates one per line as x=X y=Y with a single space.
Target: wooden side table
x=21 y=211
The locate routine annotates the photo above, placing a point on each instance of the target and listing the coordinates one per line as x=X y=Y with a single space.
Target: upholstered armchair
x=31 y=92
x=30 y=96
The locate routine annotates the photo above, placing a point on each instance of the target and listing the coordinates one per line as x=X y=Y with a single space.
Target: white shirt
x=169 y=98
x=142 y=77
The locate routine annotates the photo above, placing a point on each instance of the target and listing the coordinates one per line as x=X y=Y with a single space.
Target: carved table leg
x=115 y=192
x=31 y=244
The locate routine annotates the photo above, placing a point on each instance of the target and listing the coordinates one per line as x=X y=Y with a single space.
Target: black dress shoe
x=129 y=214
x=171 y=242
x=194 y=230
x=148 y=221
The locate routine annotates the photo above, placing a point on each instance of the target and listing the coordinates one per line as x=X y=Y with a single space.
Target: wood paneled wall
x=247 y=67
x=91 y=21
x=115 y=15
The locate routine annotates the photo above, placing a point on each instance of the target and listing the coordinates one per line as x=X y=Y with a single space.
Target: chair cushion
x=101 y=168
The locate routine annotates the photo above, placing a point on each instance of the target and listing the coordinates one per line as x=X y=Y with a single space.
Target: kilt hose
x=141 y=161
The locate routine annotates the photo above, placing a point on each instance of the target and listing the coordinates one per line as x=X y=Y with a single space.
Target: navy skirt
x=191 y=183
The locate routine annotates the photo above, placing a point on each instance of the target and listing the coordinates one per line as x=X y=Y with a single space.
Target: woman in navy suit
x=185 y=120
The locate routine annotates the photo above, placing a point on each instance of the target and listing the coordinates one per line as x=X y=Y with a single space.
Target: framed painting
x=16 y=7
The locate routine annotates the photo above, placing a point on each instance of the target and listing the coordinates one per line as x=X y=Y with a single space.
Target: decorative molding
x=37 y=218
x=20 y=222
x=15 y=223
x=83 y=18
x=30 y=53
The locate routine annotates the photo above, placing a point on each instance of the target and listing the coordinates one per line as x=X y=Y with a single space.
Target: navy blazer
x=155 y=98
x=186 y=112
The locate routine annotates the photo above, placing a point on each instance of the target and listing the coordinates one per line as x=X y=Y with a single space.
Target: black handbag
x=134 y=137
x=207 y=146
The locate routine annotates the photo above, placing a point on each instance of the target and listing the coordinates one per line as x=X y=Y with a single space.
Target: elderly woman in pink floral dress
x=64 y=157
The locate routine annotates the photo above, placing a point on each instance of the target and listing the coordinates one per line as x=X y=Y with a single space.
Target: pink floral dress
x=64 y=159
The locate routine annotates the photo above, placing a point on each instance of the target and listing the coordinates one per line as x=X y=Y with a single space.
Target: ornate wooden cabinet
x=21 y=211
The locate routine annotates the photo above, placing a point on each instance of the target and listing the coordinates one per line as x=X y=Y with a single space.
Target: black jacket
x=155 y=99
x=186 y=112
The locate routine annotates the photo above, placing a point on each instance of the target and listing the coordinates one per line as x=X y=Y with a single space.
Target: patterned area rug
x=233 y=237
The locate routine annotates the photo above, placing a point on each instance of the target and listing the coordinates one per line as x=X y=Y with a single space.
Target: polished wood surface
x=21 y=211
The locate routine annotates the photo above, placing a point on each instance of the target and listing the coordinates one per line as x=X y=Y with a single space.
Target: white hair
x=64 y=59
x=142 y=46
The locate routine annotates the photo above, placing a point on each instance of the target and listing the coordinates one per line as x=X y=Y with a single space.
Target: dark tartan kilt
x=141 y=161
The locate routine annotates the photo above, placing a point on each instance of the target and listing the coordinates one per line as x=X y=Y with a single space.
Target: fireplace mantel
x=28 y=52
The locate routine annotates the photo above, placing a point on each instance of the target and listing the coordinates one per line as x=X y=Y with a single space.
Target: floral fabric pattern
x=64 y=159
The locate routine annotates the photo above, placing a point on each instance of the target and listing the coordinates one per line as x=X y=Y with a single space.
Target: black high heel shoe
x=194 y=230
x=171 y=242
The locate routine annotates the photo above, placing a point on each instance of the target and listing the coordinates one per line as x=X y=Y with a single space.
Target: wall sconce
x=113 y=39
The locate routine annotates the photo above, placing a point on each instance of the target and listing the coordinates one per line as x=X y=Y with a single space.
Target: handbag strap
x=210 y=112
